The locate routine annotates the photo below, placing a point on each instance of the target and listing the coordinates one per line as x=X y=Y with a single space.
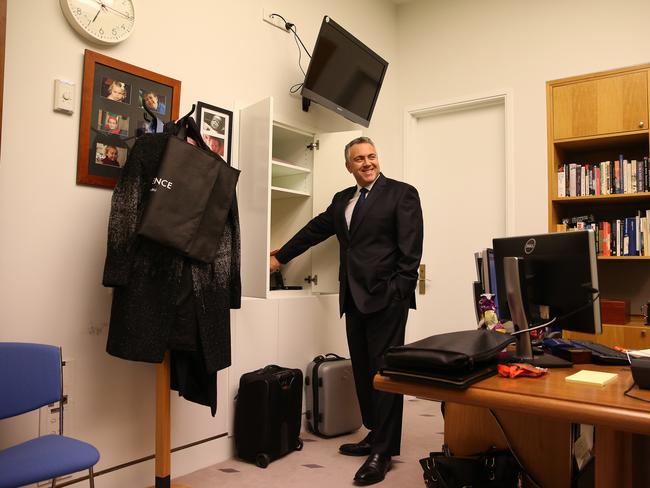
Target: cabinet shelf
x=279 y=193
x=622 y=197
x=282 y=168
x=289 y=180
x=623 y=258
x=605 y=141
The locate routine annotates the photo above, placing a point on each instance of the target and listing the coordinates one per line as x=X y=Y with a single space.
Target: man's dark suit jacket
x=380 y=254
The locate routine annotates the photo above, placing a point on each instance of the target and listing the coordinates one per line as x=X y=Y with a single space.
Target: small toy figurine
x=489 y=319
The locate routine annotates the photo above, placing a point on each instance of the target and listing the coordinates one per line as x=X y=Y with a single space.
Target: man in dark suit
x=378 y=224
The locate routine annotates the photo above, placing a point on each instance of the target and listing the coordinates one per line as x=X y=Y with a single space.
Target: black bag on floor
x=268 y=414
x=495 y=468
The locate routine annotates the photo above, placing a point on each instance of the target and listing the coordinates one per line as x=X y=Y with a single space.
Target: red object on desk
x=515 y=370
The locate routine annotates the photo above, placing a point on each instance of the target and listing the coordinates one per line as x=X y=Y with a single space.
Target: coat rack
x=163 y=410
x=163 y=426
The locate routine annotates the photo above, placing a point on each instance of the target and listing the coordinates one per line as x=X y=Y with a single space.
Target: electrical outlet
x=49 y=419
x=274 y=20
x=69 y=374
x=49 y=425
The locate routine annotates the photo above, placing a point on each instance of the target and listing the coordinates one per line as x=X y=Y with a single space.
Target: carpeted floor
x=319 y=465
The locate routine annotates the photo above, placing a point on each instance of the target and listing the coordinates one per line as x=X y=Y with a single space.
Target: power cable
x=292 y=28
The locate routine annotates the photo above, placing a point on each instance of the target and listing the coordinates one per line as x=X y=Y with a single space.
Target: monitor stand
x=514 y=280
x=540 y=360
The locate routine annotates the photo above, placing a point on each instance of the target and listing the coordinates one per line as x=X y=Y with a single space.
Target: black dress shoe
x=359 y=449
x=373 y=470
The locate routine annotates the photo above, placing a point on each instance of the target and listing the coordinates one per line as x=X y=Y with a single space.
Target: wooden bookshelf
x=590 y=119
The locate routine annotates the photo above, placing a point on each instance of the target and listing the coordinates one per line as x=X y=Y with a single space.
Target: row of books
x=628 y=236
x=605 y=178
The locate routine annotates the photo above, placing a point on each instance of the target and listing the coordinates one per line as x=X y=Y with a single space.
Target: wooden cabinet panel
x=612 y=335
x=636 y=337
x=607 y=105
x=631 y=336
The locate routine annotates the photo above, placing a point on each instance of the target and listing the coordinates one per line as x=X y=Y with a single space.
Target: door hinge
x=312 y=279
x=313 y=145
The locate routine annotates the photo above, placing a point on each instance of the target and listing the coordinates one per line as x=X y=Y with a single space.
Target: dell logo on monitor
x=530 y=246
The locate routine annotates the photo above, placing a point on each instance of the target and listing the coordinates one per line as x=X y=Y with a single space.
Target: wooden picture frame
x=112 y=114
x=215 y=124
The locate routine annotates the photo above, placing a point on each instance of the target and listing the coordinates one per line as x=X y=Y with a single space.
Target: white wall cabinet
x=288 y=175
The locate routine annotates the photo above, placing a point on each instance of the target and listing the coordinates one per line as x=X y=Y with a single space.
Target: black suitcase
x=268 y=414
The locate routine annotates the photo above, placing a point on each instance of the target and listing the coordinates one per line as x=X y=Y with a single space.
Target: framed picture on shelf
x=216 y=128
x=112 y=114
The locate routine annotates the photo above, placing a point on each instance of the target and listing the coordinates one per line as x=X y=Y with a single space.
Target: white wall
x=53 y=232
x=455 y=49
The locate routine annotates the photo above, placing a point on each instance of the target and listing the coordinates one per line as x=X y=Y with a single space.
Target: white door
x=255 y=126
x=455 y=156
x=330 y=176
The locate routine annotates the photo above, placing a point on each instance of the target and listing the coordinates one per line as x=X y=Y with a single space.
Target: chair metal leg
x=91 y=477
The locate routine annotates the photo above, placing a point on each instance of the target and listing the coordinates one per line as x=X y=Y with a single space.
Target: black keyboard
x=601 y=354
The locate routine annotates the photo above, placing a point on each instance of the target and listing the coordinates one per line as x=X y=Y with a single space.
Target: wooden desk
x=537 y=414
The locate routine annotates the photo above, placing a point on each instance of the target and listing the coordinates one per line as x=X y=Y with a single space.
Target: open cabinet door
x=255 y=122
x=329 y=177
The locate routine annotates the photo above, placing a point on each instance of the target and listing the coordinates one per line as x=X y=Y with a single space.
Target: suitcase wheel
x=299 y=444
x=262 y=460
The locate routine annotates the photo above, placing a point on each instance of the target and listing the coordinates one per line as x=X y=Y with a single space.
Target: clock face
x=103 y=21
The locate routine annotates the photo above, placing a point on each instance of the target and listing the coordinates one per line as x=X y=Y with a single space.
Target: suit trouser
x=369 y=335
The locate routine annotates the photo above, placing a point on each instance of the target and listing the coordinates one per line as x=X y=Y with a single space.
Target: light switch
x=63 y=96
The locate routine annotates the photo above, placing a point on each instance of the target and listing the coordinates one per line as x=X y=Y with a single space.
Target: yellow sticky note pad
x=591 y=377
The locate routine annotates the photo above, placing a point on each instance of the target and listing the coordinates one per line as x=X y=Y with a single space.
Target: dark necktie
x=357 y=206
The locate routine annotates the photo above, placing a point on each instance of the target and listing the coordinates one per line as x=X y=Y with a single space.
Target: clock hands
x=95 y=17
x=121 y=14
x=102 y=5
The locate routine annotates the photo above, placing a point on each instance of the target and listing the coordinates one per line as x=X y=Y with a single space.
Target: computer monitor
x=547 y=277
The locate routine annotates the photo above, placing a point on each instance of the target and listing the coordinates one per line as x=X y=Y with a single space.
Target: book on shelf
x=561 y=184
x=629 y=236
x=644 y=235
x=637 y=235
x=606 y=230
x=640 y=176
x=604 y=178
x=572 y=180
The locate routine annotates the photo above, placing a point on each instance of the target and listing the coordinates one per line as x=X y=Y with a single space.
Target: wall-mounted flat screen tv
x=344 y=74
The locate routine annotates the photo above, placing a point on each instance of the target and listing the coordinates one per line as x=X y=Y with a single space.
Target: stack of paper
x=591 y=377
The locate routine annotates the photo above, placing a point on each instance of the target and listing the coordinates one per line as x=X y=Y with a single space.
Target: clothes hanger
x=154 y=119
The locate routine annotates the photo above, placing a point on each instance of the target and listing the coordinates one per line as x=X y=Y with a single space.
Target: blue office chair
x=30 y=378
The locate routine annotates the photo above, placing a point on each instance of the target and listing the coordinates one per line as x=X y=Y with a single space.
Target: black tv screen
x=344 y=74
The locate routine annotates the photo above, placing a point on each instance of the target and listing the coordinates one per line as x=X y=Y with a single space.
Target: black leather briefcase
x=455 y=359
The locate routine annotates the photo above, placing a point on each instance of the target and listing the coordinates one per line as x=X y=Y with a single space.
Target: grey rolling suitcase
x=331 y=399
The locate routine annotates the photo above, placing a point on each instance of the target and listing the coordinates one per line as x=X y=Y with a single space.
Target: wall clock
x=103 y=21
